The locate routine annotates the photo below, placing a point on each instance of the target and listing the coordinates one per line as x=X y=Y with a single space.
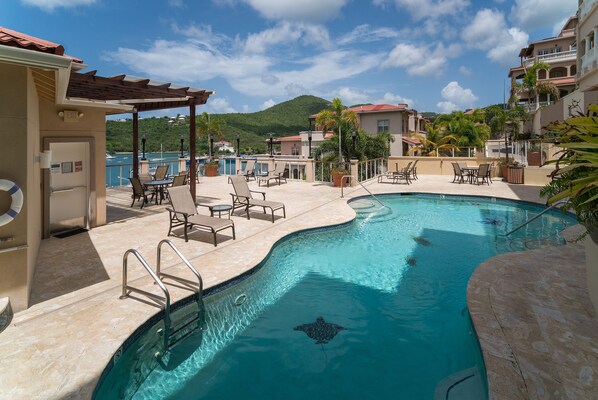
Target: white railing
x=551 y=57
x=588 y=61
x=370 y=169
x=118 y=175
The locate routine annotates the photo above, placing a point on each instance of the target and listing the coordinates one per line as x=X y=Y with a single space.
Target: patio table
x=159 y=185
x=472 y=172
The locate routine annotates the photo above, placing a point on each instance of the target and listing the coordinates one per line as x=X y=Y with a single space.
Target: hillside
x=284 y=119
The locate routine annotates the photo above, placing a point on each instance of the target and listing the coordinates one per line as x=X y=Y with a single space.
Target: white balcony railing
x=588 y=61
x=570 y=55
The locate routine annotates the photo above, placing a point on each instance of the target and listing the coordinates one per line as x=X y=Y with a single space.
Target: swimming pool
x=371 y=309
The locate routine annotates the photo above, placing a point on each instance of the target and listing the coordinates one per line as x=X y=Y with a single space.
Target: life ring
x=16 y=204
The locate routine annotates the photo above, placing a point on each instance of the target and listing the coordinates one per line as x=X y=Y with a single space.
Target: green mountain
x=284 y=119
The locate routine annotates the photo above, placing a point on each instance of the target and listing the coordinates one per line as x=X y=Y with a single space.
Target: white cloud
x=177 y=3
x=268 y=104
x=488 y=31
x=455 y=97
x=365 y=34
x=533 y=14
x=50 y=5
x=219 y=105
x=350 y=96
x=446 y=107
x=304 y=10
x=287 y=33
x=430 y=9
x=558 y=26
x=421 y=61
x=464 y=70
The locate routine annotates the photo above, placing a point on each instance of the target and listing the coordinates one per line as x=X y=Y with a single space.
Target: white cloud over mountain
x=455 y=98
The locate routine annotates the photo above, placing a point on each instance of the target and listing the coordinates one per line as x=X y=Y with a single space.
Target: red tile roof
x=561 y=81
x=8 y=37
x=412 y=141
x=290 y=138
x=378 y=107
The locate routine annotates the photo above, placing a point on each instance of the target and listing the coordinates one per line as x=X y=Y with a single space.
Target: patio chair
x=483 y=174
x=458 y=173
x=249 y=171
x=179 y=180
x=414 y=170
x=243 y=198
x=161 y=172
x=140 y=192
x=184 y=213
x=276 y=175
x=403 y=173
x=185 y=174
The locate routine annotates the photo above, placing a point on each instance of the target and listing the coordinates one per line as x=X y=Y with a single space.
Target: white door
x=69 y=186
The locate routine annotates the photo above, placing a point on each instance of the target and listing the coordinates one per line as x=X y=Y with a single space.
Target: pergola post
x=192 y=166
x=135 y=144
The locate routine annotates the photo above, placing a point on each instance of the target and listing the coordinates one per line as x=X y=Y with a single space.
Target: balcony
x=570 y=55
x=585 y=7
x=589 y=61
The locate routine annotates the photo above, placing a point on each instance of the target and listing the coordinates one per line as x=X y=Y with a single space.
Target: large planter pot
x=515 y=175
x=337 y=176
x=591 y=243
x=504 y=169
x=534 y=158
x=211 y=169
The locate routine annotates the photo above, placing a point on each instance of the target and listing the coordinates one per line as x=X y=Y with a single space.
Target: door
x=69 y=186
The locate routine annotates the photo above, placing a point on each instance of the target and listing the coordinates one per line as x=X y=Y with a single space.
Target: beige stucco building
x=53 y=147
x=587 y=32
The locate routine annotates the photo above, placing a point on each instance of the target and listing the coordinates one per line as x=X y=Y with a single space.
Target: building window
x=295 y=150
x=383 y=125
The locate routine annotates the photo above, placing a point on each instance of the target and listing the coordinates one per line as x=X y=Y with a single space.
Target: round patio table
x=220 y=208
x=159 y=185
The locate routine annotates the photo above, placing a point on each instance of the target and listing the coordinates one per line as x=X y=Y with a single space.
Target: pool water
x=390 y=289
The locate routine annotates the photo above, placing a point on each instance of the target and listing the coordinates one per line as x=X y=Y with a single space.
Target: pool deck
x=59 y=347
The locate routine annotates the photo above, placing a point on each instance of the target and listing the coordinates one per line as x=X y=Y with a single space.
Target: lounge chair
x=249 y=171
x=161 y=172
x=276 y=175
x=398 y=174
x=184 y=213
x=139 y=191
x=414 y=170
x=244 y=199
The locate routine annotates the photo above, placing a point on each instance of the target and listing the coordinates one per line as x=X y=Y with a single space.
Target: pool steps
x=177 y=329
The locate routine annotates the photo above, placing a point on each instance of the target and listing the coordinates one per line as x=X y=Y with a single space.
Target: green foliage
x=576 y=176
x=530 y=85
x=284 y=119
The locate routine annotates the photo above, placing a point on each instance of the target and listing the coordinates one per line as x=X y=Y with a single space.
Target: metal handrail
x=537 y=216
x=187 y=263
x=366 y=189
x=157 y=280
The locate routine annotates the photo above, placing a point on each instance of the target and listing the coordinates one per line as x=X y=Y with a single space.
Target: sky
x=434 y=55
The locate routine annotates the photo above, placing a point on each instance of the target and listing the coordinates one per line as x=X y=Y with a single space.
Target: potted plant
x=337 y=175
x=515 y=172
x=575 y=181
x=211 y=168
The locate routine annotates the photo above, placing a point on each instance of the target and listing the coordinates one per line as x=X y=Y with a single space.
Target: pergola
x=140 y=94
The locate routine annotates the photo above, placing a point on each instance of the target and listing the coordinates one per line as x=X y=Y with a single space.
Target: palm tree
x=530 y=85
x=338 y=117
x=505 y=122
x=438 y=138
x=210 y=126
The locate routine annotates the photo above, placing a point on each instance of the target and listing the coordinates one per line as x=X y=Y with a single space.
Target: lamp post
x=143 y=146
x=238 y=145
x=211 y=146
x=309 y=141
x=271 y=144
x=182 y=141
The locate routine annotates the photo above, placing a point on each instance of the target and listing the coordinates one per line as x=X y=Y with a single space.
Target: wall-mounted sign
x=67 y=167
x=55 y=168
x=78 y=166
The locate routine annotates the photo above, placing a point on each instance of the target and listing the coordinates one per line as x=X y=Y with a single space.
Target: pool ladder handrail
x=558 y=203
x=361 y=184
x=126 y=288
x=161 y=274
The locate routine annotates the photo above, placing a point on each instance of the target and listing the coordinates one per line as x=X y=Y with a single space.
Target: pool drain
x=242 y=298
